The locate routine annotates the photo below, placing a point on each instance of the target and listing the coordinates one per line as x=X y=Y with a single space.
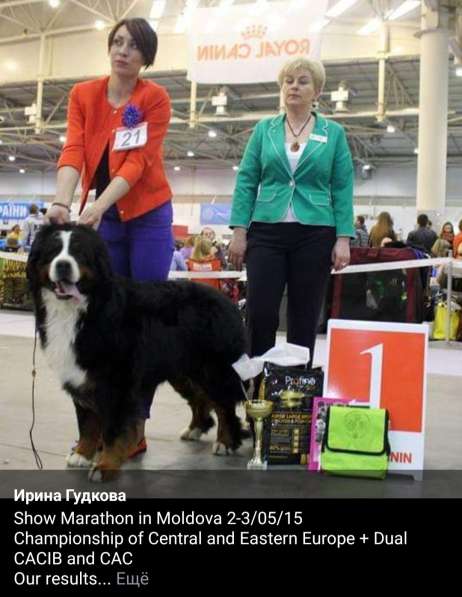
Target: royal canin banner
x=249 y=43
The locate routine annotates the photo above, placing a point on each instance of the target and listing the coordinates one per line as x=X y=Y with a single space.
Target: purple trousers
x=140 y=249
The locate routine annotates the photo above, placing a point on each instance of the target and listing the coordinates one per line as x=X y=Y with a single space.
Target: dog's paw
x=220 y=448
x=76 y=460
x=193 y=435
x=100 y=475
x=95 y=475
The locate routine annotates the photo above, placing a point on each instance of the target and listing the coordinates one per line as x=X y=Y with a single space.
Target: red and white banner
x=383 y=364
x=249 y=43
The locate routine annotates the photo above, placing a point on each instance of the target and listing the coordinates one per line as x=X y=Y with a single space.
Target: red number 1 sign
x=383 y=364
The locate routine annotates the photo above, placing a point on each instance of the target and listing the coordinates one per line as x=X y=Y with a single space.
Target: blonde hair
x=383 y=229
x=202 y=249
x=314 y=67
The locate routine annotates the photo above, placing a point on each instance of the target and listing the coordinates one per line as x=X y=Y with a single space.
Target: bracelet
x=61 y=205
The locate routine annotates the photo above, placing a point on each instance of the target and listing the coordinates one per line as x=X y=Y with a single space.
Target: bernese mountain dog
x=112 y=341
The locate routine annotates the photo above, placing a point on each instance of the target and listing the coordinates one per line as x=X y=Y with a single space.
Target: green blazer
x=320 y=190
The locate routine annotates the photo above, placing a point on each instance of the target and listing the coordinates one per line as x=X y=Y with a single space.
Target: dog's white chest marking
x=61 y=329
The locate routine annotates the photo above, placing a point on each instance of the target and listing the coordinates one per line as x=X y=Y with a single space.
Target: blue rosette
x=132 y=116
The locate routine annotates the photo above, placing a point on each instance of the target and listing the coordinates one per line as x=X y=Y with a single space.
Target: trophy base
x=257 y=465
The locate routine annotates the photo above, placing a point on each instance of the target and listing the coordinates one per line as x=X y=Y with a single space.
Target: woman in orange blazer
x=116 y=127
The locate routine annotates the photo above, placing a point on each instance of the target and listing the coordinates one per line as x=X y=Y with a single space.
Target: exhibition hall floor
x=189 y=469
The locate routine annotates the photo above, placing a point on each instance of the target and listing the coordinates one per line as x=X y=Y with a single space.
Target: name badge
x=320 y=138
x=131 y=138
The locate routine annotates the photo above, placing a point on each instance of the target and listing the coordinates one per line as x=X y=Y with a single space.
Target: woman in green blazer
x=292 y=211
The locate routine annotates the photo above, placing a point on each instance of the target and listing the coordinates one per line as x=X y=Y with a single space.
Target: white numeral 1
x=375 y=388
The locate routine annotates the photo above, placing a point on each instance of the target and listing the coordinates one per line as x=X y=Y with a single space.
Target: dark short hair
x=360 y=219
x=33 y=209
x=422 y=220
x=143 y=34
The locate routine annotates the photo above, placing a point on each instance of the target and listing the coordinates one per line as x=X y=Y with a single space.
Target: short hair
x=360 y=219
x=314 y=67
x=33 y=209
x=143 y=34
x=422 y=220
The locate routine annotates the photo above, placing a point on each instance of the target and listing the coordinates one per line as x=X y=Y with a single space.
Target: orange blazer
x=91 y=125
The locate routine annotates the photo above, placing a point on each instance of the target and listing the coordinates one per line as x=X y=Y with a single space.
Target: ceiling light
x=391 y=129
x=235 y=168
x=54 y=3
x=62 y=138
x=212 y=134
x=403 y=9
x=370 y=27
x=100 y=25
x=416 y=150
x=459 y=71
x=367 y=167
x=1 y=141
x=12 y=158
x=190 y=154
x=340 y=8
x=22 y=171
x=177 y=168
x=318 y=25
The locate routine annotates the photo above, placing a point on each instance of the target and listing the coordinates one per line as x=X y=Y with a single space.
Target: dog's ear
x=101 y=260
x=35 y=254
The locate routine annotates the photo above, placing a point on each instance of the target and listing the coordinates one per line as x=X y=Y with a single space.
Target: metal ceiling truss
x=382 y=91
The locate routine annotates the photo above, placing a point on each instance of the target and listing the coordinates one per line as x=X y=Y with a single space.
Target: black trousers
x=291 y=254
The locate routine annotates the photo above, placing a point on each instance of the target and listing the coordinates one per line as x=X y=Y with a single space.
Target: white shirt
x=293 y=157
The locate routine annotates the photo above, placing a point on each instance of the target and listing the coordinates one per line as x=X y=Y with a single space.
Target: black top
x=102 y=173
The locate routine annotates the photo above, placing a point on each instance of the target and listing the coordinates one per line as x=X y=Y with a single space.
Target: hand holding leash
x=58 y=213
x=92 y=216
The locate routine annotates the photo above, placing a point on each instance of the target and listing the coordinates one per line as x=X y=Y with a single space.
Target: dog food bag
x=286 y=434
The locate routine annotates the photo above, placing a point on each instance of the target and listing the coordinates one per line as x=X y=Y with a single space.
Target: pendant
x=295 y=146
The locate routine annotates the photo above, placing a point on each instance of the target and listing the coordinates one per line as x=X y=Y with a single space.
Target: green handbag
x=356 y=442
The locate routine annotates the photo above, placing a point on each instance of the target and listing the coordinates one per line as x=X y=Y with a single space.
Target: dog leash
x=38 y=460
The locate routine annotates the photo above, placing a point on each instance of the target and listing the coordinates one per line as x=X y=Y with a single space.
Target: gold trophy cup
x=258 y=410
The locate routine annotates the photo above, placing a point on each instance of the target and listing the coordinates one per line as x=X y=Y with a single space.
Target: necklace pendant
x=295 y=146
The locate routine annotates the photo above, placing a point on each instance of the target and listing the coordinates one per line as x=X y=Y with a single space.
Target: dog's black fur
x=133 y=336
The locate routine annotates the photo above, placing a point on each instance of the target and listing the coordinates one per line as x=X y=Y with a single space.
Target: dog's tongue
x=66 y=289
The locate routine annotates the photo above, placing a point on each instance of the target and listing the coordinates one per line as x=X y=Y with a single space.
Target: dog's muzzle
x=61 y=279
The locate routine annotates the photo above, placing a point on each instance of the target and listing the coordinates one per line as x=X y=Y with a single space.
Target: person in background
x=203 y=259
x=188 y=247
x=457 y=241
x=178 y=262
x=217 y=248
x=447 y=232
x=32 y=225
x=361 y=235
x=292 y=211
x=423 y=236
x=133 y=207
x=13 y=239
x=383 y=229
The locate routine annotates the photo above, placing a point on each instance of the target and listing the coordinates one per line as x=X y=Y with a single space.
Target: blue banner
x=216 y=213
x=17 y=210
